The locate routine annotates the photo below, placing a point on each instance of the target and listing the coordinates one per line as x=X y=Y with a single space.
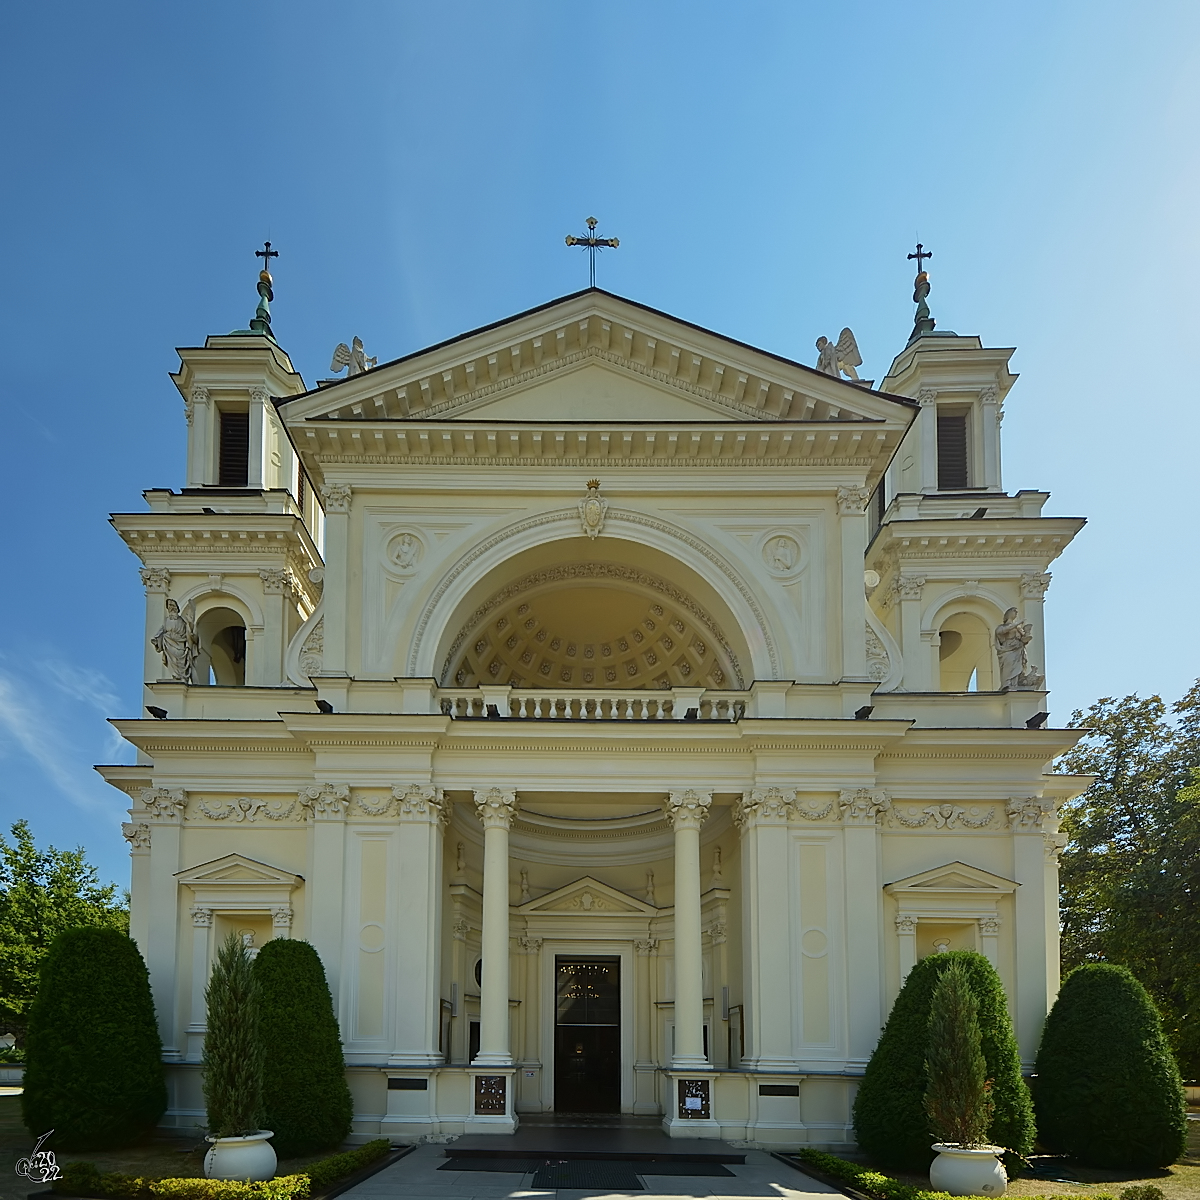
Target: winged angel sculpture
x=839 y=359
x=177 y=642
x=352 y=356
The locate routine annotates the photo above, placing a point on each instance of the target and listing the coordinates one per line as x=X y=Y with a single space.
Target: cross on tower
x=593 y=243
x=920 y=256
x=266 y=254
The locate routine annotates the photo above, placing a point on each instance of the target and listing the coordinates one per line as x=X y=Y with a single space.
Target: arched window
x=965 y=654
x=222 y=658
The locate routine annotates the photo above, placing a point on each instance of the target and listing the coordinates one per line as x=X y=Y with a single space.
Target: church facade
x=619 y=709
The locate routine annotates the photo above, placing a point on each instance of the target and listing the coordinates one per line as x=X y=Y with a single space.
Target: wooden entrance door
x=587 y=1035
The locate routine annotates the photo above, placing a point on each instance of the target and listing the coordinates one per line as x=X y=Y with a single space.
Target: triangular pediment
x=594 y=358
x=237 y=869
x=587 y=897
x=956 y=877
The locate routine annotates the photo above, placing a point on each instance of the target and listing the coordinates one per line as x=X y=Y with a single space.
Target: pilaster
x=852 y=523
x=163 y=811
x=325 y=805
x=762 y=817
x=337 y=497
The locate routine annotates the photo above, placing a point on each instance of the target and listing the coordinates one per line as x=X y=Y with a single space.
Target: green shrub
x=83 y=1179
x=93 y=1069
x=305 y=1097
x=233 y=1050
x=878 y=1186
x=1142 y=1191
x=889 y=1116
x=1107 y=1090
x=329 y=1170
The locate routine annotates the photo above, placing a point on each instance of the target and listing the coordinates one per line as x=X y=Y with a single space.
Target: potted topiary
x=233 y=1070
x=958 y=1099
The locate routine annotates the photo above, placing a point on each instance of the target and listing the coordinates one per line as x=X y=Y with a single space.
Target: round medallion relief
x=404 y=551
x=814 y=943
x=781 y=553
x=371 y=938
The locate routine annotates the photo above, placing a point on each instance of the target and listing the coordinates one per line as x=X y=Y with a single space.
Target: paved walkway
x=416 y=1177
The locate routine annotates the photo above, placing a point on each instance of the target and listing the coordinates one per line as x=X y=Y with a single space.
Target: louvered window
x=952 y=451
x=300 y=489
x=235 y=449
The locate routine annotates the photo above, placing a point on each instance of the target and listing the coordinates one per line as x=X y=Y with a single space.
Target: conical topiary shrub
x=305 y=1097
x=233 y=1052
x=1107 y=1090
x=889 y=1114
x=93 y=1065
x=958 y=1098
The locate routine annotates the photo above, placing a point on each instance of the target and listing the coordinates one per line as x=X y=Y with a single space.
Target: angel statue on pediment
x=177 y=642
x=842 y=358
x=352 y=356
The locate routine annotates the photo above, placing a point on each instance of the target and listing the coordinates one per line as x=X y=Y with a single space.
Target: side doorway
x=587 y=1035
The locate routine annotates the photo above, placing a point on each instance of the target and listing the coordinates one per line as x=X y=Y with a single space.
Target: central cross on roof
x=593 y=243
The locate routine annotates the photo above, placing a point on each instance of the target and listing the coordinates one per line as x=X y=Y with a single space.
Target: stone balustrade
x=592 y=704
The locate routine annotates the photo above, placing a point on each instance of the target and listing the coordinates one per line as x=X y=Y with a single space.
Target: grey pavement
x=416 y=1177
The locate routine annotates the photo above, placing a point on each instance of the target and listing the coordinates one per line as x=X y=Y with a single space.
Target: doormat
x=514 y=1166
x=682 y=1168
x=588 y=1173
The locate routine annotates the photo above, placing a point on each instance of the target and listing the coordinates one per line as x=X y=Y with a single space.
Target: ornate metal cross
x=920 y=256
x=593 y=243
x=266 y=254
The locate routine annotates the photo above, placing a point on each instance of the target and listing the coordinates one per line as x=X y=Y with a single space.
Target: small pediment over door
x=587 y=896
x=236 y=868
x=953 y=879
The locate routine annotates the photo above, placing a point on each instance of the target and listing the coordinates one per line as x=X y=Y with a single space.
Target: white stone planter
x=249 y=1157
x=964 y=1172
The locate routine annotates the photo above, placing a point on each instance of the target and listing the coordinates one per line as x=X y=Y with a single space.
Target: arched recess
x=226 y=622
x=553 y=542
x=966 y=657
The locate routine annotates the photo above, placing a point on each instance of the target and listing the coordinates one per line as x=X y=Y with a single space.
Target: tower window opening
x=234 y=464
x=952 y=451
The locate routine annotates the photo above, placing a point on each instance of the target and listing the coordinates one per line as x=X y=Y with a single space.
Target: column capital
x=281 y=916
x=156 y=580
x=906 y=923
x=137 y=835
x=164 y=804
x=531 y=945
x=420 y=802
x=328 y=801
x=853 y=501
x=989 y=926
x=202 y=917
x=645 y=946
x=496 y=807
x=1034 y=585
x=765 y=806
x=908 y=587
x=688 y=809
x=336 y=497
x=1031 y=814
x=863 y=806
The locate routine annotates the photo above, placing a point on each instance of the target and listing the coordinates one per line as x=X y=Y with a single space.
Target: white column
x=202 y=919
x=256 y=462
x=337 y=576
x=762 y=816
x=989 y=939
x=1036 y=847
x=907 y=591
x=326 y=804
x=496 y=808
x=852 y=521
x=157 y=582
x=989 y=417
x=137 y=834
x=201 y=418
x=687 y=811
x=164 y=809
x=862 y=809
x=906 y=936
x=270 y=644
x=1034 y=586
x=927 y=434
x=531 y=1054
x=644 y=1068
x=422 y=816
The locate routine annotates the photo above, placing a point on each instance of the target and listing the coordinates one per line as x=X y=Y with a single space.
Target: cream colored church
x=619 y=709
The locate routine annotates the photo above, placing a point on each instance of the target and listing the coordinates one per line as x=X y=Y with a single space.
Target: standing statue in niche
x=177 y=642
x=1016 y=673
x=842 y=358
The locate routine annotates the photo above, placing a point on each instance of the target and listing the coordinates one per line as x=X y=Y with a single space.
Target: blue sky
x=767 y=167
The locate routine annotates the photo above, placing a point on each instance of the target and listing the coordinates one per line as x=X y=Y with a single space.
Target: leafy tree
x=1130 y=874
x=305 y=1097
x=1108 y=1090
x=889 y=1112
x=93 y=1069
x=233 y=1050
x=958 y=1098
x=43 y=893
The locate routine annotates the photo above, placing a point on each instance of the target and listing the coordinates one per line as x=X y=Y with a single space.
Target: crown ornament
x=593 y=508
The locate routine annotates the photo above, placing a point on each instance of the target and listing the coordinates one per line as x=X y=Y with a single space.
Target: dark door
x=587 y=1035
